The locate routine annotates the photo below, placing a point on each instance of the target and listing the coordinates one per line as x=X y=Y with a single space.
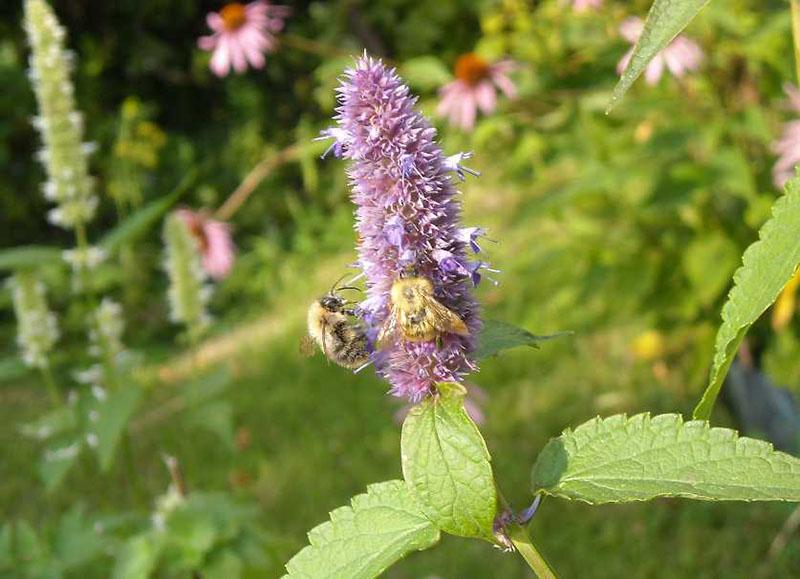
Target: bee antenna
x=350 y=287
x=334 y=287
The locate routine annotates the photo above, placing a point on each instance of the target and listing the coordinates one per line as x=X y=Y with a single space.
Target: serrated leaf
x=666 y=19
x=497 y=336
x=364 y=539
x=29 y=256
x=621 y=459
x=113 y=415
x=767 y=265
x=446 y=464
x=143 y=219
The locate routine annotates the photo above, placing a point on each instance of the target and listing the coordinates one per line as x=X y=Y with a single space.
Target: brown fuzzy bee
x=416 y=314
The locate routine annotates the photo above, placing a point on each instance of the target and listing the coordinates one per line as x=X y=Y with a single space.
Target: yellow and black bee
x=333 y=328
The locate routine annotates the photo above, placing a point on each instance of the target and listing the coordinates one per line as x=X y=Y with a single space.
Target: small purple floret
x=408 y=222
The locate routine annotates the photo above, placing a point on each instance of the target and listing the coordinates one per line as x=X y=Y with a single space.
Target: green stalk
x=795 y=6
x=52 y=388
x=525 y=547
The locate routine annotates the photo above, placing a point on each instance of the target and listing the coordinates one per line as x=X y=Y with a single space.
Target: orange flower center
x=233 y=16
x=471 y=68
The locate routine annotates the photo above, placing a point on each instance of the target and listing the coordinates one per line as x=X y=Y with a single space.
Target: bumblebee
x=332 y=327
x=416 y=315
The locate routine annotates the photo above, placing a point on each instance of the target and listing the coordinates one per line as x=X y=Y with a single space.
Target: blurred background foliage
x=624 y=228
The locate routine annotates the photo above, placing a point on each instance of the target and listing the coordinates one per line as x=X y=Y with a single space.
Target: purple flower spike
x=408 y=222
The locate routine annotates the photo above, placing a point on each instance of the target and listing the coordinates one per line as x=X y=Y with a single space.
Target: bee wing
x=446 y=320
x=388 y=329
x=307 y=346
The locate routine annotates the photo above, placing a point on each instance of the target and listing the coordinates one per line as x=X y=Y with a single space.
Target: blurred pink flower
x=213 y=240
x=788 y=147
x=584 y=5
x=474 y=88
x=680 y=56
x=242 y=34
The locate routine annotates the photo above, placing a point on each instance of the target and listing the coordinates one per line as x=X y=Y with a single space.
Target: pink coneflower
x=788 y=147
x=584 y=5
x=474 y=88
x=213 y=240
x=242 y=34
x=680 y=56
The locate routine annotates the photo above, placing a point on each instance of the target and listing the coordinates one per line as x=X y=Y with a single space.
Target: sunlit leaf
x=667 y=18
x=497 y=336
x=767 y=265
x=446 y=463
x=621 y=459
x=362 y=540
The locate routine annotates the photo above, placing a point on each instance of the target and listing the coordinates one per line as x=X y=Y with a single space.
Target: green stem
x=52 y=388
x=795 y=6
x=525 y=547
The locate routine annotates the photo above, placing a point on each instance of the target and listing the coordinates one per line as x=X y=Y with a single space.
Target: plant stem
x=313 y=46
x=253 y=178
x=525 y=547
x=795 y=7
x=52 y=388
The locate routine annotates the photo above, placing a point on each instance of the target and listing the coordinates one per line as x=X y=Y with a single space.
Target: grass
x=319 y=435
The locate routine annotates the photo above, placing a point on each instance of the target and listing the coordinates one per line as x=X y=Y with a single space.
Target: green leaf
x=767 y=265
x=29 y=547
x=29 y=256
x=709 y=262
x=77 y=542
x=215 y=417
x=58 y=459
x=54 y=422
x=425 y=73
x=621 y=459
x=6 y=556
x=497 y=336
x=143 y=219
x=113 y=415
x=446 y=463
x=11 y=368
x=364 y=539
x=137 y=559
x=667 y=18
